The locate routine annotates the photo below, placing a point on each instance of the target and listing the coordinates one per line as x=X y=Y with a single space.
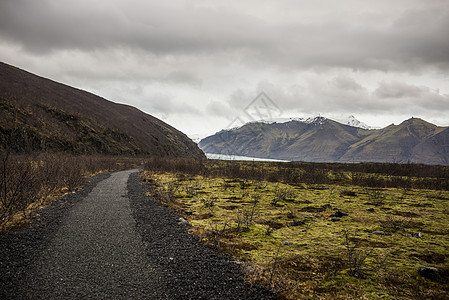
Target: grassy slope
x=315 y=260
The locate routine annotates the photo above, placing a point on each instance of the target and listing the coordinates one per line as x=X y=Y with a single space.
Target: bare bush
x=357 y=258
x=376 y=197
x=27 y=179
x=374 y=175
x=18 y=186
x=282 y=194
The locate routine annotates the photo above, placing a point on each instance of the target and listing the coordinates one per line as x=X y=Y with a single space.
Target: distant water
x=242 y=158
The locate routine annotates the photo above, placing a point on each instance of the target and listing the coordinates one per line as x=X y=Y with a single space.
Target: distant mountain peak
x=318 y=120
x=414 y=120
x=352 y=121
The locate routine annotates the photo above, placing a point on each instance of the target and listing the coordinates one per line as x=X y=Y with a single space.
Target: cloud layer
x=198 y=63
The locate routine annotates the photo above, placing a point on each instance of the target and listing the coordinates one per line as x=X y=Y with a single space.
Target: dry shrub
x=374 y=175
x=296 y=277
x=19 y=186
x=32 y=179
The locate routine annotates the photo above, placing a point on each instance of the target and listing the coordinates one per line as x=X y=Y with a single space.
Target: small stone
x=335 y=219
x=319 y=215
x=339 y=214
x=182 y=220
x=378 y=232
x=287 y=243
x=422 y=205
x=370 y=209
x=326 y=206
x=417 y=235
x=429 y=272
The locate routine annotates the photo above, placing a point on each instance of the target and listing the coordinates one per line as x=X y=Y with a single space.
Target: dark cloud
x=171 y=58
x=414 y=39
x=411 y=98
x=399 y=90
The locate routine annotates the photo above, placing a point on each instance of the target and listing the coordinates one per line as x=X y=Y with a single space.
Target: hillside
x=324 y=140
x=38 y=114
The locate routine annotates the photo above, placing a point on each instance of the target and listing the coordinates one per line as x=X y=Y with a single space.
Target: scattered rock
x=422 y=205
x=339 y=214
x=378 y=232
x=429 y=272
x=246 y=269
x=417 y=235
x=326 y=206
x=335 y=219
x=182 y=220
x=318 y=215
x=296 y=223
x=287 y=243
x=370 y=209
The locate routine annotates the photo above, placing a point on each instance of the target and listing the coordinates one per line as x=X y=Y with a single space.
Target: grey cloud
x=411 y=97
x=347 y=83
x=183 y=77
x=220 y=109
x=166 y=106
x=414 y=40
x=347 y=96
x=44 y=26
x=398 y=90
x=171 y=57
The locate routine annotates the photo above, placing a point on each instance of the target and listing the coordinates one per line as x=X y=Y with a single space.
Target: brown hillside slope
x=394 y=143
x=40 y=114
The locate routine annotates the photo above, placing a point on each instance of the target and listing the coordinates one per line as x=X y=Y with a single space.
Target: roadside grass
x=296 y=239
x=30 y=182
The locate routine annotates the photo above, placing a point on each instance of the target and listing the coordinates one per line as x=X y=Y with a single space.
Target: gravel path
x=115 y=244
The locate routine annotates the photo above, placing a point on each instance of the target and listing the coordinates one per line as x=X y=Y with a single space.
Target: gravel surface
x=19 y=248
x=110 y=241
x=186 y=268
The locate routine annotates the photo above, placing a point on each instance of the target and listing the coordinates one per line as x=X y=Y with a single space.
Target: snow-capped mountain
x=350 y=120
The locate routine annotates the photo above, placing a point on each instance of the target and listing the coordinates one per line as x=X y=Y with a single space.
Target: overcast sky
x=197 y=64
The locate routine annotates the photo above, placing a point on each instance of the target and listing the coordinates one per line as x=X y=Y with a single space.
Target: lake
x=238 y=157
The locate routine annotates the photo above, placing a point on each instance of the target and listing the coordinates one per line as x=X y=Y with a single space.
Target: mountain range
x=38 y=114
x=324 y=140
x=349 y=120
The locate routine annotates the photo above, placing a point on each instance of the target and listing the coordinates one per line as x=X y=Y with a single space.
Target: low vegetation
x=306 y=230
x=31 y=181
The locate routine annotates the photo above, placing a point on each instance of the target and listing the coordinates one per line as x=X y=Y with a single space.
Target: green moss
x=242 y=218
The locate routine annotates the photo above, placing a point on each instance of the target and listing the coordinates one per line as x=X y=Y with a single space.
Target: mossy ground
x=289 y=239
